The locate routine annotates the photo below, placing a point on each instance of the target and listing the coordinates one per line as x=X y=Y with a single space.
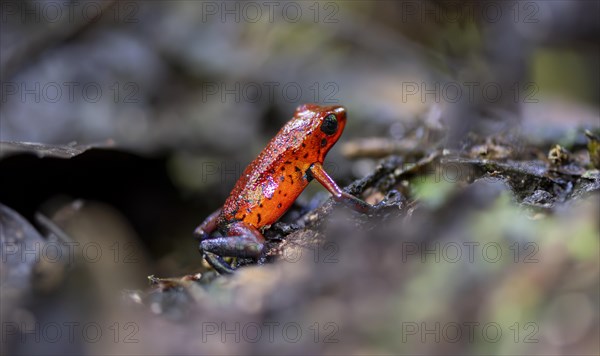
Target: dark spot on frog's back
x=279 y=206
x=258 y=218
x=297 y=169
x=305 y=155
x=323 y=142
x=282 y=178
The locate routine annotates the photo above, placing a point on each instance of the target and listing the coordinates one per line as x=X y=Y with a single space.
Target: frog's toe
x=218 y=263
x=200 y=234
x=394 y=199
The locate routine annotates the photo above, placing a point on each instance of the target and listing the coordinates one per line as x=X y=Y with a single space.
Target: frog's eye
x=329 y=125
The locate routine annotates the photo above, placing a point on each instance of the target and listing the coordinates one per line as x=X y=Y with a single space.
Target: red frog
x=272 y=182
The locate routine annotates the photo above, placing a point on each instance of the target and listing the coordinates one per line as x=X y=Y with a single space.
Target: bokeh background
x=174 y=98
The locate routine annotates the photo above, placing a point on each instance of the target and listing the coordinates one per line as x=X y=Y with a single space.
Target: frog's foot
x=242 y=240
x=218 y=263
x=392 y=200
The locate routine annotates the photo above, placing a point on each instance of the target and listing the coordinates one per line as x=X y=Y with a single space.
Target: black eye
x=329 y=125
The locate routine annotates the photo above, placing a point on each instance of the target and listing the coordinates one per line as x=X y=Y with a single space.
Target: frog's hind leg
x=208 y=226
x=242 y=240
x=202 y=233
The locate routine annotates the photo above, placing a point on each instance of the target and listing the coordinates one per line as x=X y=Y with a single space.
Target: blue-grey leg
x=242 y=240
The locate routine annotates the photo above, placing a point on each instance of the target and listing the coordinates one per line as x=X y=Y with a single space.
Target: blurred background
x=147 y=112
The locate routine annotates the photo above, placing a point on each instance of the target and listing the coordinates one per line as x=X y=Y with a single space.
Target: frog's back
x=271 y=183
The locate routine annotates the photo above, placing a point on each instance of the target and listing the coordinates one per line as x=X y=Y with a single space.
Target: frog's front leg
x=317 y=171
x=241 y=240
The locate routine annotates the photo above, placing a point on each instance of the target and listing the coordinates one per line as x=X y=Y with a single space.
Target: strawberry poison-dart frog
x=272 y=182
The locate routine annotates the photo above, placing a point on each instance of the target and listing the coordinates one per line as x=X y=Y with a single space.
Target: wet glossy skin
x=272 y=182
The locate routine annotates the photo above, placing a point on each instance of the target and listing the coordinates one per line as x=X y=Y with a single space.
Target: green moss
x=432 y=190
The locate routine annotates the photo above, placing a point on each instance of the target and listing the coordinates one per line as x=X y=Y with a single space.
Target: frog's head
x=322 y=127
